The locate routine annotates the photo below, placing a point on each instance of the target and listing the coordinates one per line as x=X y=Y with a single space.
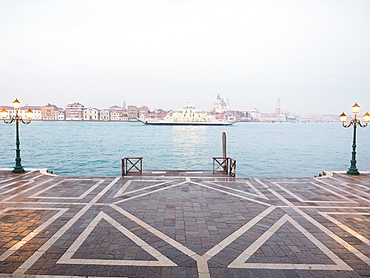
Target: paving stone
x=153 y=226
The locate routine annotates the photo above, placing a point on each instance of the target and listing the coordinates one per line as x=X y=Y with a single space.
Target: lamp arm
x=9 y=121
x=26 y=122
x=349 y=124
x=362 y=125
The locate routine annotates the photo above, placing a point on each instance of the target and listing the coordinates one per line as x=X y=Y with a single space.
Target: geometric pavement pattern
x=184 y=226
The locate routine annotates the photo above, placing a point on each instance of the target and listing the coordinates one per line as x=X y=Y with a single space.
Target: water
x=261 y=149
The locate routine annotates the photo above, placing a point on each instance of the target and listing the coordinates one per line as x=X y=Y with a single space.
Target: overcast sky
x=314 y=54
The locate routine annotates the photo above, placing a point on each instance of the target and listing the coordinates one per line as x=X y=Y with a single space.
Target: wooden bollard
x=224 y=144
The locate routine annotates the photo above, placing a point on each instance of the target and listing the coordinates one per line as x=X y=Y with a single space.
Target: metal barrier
x=130 y=165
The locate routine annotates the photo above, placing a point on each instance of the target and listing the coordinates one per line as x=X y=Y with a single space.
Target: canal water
x=261 y=149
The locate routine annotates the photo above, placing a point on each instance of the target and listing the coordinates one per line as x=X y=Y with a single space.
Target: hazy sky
x=314 y=54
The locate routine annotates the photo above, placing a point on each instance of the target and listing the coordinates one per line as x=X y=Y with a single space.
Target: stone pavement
x=183 y=226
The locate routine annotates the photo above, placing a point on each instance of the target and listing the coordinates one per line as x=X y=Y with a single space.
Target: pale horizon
x=313 y=55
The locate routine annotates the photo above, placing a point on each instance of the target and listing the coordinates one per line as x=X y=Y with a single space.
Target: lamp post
x=18 y=169
x=343 y=118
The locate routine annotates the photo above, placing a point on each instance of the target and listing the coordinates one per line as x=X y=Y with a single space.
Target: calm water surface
x=261 y=149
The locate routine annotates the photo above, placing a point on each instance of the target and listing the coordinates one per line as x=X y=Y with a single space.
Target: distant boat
x=187 y=117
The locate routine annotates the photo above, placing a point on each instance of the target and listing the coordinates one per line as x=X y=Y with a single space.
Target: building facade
x=104 y=115
x=91 y=114
x=49 y=112
x=74 y=112
x=220 y=106
x=132 y=112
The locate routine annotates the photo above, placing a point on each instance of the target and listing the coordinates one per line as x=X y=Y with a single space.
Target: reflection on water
x=188 y=144
x=261 y=149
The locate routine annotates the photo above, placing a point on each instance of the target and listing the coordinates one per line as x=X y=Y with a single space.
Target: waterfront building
x=49 y=112
x=255 y=114
x=115 y=115
x=278 y=116
x=272 y=117
x=74 y=112
x=309 y=117
x=157 y=114
x=119 y=115
x=22 y=111
x=61 y=114
x=143 y=111
x=219 y=105
x=133 y=112
x=115 y=107
x=91 y=114
x=330 y=118
x=104 y=115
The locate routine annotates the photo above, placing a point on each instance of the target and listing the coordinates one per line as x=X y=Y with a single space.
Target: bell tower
x=277 y=107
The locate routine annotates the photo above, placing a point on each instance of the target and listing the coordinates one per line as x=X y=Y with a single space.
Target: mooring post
x=225 y=164
x=224 y=144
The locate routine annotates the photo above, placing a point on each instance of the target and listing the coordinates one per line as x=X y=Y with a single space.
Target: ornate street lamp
x=343 y=118
x=18 y=169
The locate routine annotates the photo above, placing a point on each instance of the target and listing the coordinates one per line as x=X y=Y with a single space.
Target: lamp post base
x=353 y=171
x=18 y=170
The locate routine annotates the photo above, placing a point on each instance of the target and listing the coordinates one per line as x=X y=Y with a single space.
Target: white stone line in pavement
x=350 y=188
x=156 y=232
x=6 y=185
x=345 y=227
x=32 y=234
x=149 y=193
x=240 y=261
x=123 y=188
x=258 y=194
x=261 y=183
x=227 y=241
x=46 y=203
x=321 y=227
x=28 y=189
x=67 y=257
x=47 y=188
x=232 y=194
x=127 y=184
x=328 y=207
x=105 y=190
x=4 y=181
x=354 y=182
x=35 y=256
x=313 y=201
x=349 y=200
x=53 y=276
x=122 y=193
x=202 y=261
x=26 y=182
x=354 y=178
x=87 y=192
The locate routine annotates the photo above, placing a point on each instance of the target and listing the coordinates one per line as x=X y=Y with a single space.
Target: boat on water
x=187 y=117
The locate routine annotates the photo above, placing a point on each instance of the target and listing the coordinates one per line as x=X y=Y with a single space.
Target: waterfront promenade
x=184 y=226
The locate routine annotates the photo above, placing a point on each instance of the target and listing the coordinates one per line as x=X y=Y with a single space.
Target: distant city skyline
x=313 y=55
